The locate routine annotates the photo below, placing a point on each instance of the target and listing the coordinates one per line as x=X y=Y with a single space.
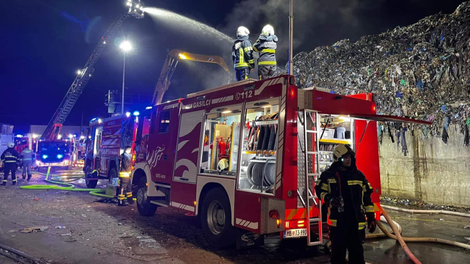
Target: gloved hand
x=371 y=222
x=336 y=202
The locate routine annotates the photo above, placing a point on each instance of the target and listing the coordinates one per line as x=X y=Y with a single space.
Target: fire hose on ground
x=64 y=186
x=397 y=234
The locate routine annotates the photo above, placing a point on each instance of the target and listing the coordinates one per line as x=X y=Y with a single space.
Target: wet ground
x=82 y=230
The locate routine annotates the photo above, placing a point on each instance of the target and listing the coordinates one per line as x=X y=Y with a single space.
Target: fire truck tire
x=216 y=219
x=91 y=183
x=143 y=202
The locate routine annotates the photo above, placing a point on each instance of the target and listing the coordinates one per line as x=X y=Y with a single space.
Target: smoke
x=316 y=22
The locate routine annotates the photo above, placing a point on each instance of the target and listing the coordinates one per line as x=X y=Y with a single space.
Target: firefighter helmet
x=11 y=145
x=242 y=31
x=268 y=30
x=222 y=165
x=342 y=150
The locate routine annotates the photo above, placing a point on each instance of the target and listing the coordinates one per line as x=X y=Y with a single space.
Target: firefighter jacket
x=27 y=155
x=266 y=46
x=353 y=186
x=10 y=156
x=242 y=53
x=125 y=167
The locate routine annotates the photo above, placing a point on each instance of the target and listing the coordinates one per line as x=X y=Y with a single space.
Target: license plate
x=291 y=233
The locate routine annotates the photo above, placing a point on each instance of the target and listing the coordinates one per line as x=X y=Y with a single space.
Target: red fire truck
x=106 y=140
x=245 y=157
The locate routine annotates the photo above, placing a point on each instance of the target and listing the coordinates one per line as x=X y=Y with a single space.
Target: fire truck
x=245 y=157
x=106 y=141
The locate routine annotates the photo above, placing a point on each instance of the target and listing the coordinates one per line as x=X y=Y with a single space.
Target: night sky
x=44 y=42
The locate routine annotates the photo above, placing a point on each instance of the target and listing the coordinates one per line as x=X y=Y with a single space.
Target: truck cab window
x=258 y=159
x=221 y=141
x=164 y=122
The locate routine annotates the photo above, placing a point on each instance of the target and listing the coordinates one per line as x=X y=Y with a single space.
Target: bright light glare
x=79 y=72
x=136 y=113
x=148 y=108
x=59 y=136
x=128 y=114
x=59 y=156
x=125 y=46
x=44 y=156
x=19 y=136
x=227 y=112
x=100 y=121
x=70 y=136
x=181 y=55
x=35 y=135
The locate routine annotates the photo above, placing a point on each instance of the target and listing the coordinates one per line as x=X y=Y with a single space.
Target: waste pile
x=419 y=71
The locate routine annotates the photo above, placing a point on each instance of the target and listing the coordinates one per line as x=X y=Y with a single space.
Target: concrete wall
x=432 y=171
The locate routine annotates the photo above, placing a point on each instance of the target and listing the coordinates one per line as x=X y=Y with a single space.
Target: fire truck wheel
x=143 y=202
x=91 y=183
x=216 y=219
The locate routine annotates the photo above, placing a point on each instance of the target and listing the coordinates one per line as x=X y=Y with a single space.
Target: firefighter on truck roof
x=242 y=54
x=10 y=159
x=124 y=190
x=346 y=192
x=266 y=46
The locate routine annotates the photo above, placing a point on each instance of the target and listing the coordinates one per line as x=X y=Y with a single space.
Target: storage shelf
x=334 y=141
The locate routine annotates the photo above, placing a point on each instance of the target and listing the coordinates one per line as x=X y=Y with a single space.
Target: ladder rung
x=314 y=220
x=311 y=131
x=312 y=152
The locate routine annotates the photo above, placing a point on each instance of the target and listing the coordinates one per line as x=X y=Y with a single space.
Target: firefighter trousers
x=266 y=71
x=242 y=73
x=27 y=169
x=9 y=167
x=346 y=238
x=124 y=191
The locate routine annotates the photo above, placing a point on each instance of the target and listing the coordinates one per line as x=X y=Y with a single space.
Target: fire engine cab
x=245 y=157
x=106 y=140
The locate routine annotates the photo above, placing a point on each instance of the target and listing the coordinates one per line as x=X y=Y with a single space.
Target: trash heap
x=419 y=71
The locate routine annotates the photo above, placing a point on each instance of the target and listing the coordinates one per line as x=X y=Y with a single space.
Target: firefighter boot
x=29 y=177
x=122 y=201
x=130 y=200
x=13 y=182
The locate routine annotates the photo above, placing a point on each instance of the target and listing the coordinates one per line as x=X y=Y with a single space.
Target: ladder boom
x=81 y=80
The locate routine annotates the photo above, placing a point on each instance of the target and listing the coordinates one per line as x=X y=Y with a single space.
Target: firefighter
x=10 y=159
x=346 y=192
x=266 y=46
x=124 y=189
x=242 y=54
x=27 y=158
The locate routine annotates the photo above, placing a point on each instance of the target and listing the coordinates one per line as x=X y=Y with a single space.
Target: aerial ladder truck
x=51 y=133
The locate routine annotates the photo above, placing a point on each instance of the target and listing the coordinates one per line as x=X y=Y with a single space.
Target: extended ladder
x=309 y=148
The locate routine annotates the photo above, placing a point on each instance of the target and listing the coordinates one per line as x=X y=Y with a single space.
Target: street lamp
x=125 y=47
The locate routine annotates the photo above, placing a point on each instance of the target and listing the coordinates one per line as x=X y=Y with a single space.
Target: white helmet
x=342 y=150
x=242 y=31
x=268 y=30
x=11 y=145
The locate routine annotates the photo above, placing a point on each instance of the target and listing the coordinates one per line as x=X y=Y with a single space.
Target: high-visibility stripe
x=14 y=180
x=242 y=56
x=324 y=186
x=128 y=194
x=4 y=180
x=124 y=174
x=369 y=208
x=362 y=225
x=331 y=180
x=322 y=195
x=251 y=61
x=355 y=182
x=241 y=65
x=10 y=161
x=267 y=63
x=247 y=49
x=268 y=50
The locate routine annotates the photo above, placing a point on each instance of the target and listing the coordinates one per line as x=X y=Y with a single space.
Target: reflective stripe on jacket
x=242 y=53
x=266 y=46
x=359 y=190
x=10 y=156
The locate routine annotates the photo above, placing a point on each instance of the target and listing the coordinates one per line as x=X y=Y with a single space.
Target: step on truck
x=245 y=157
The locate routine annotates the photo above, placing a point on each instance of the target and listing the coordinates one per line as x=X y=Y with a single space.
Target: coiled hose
x=64 y=186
